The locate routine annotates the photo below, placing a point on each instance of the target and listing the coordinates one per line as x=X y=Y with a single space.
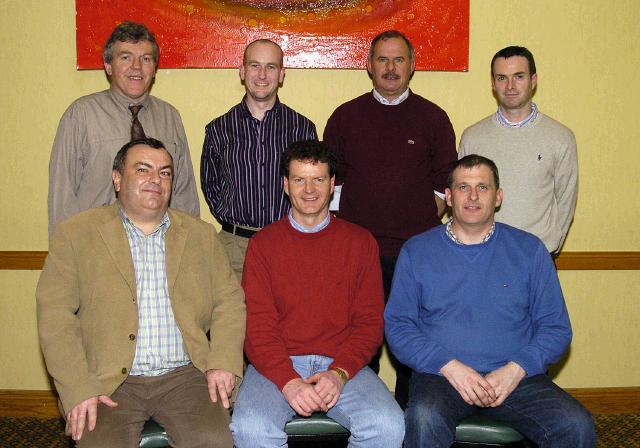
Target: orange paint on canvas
x=312 y=33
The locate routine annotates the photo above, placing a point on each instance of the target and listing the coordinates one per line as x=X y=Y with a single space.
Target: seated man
x=477 y=312
x=314 y=318
x=125 y=301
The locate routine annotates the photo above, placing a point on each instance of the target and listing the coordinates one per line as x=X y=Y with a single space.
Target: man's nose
x=308 y=187
x=390 y=66
x=136 y=62
x=510 y=83
x=262 y=72
x=473 y=193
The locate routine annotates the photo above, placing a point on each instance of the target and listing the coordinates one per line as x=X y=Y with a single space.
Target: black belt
x=237 y=230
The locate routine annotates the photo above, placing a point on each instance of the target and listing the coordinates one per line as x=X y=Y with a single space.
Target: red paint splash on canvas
x=312 y=33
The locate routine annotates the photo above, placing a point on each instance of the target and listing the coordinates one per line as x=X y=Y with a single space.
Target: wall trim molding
x=566 y=261
x=601 y=400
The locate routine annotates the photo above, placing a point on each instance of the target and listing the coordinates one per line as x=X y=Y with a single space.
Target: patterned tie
x=136 y=127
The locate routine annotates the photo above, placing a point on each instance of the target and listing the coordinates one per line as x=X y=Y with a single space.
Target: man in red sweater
x=395 y=150
x=314 y=318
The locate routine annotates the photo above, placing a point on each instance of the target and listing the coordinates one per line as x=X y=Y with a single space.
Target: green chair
x=476 y=432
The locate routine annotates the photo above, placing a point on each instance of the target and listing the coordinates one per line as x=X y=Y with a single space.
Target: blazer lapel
x=175 y=241
x=114 y=237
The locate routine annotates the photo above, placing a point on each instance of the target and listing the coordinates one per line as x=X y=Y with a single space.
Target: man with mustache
x=93 y=128
x=395 y=150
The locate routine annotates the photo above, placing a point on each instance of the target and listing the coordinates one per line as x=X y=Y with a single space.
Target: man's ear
x=116 y=177
x=285 y=181
x=499 y=197
x=447 y=196
x=107 y=68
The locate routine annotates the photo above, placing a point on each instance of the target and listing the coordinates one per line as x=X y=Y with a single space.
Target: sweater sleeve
x=264 y=347
x=333 y=138
x=408 y=342
x=366 y=311
x=443 y=150
x=551 y=327
x=566 y=184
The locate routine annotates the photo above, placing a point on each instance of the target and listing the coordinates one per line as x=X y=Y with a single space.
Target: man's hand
x=504 y=380
x=472 y=387
x=303 y=398
x=328 y=385
x=220 y=382
x=85 y=413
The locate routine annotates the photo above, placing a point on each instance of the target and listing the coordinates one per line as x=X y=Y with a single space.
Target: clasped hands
x=319 y=392
x=484 y=391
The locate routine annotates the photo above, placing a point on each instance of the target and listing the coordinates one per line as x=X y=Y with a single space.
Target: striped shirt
x=240 y=165
x=159 y=346
x=518 y=124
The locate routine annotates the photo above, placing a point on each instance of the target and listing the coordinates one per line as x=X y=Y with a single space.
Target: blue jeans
x=365 y=407
x=537 y=408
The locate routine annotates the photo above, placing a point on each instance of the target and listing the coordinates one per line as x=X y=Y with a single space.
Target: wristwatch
x=341 y=373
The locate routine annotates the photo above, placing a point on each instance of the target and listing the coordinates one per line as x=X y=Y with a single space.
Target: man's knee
x=576 y=425
x=250 y=427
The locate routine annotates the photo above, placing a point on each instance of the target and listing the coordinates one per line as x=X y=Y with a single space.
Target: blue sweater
x=483 y=304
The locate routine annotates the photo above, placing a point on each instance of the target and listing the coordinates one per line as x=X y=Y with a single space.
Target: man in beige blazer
x=140 y=315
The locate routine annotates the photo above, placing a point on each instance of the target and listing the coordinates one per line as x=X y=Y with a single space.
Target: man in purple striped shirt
x=239 y=168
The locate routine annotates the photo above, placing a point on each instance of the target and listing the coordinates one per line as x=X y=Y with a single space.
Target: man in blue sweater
x=477 y=312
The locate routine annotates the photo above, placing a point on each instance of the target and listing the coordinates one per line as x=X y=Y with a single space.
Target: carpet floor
x=614 y=431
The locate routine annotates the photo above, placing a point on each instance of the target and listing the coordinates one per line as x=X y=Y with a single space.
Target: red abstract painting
x=313 y=34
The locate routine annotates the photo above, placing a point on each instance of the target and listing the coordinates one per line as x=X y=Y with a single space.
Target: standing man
x=240 y=165
x=477 y=311
x=536 y=154
x=95 y=126
x=395 y=150
x=314 y=318
x=140 y=315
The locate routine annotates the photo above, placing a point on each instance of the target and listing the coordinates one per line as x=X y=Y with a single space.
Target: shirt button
x=132 y=337
x=124 y=370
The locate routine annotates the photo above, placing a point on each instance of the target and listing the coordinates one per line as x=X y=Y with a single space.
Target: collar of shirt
x=518 y=124
x=247 y=113
x=393 y=102
x=456 y=240
x=133 y=231
x=125 y=101
x=315 y=229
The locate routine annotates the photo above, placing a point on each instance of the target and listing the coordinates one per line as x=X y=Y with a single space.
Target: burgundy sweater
x=312 y=293
x=391 y=159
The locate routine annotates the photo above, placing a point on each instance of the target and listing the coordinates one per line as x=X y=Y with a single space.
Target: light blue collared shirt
x=318 y=227
x=159 y=344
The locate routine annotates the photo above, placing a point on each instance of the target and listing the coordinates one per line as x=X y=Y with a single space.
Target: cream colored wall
x=587 y=55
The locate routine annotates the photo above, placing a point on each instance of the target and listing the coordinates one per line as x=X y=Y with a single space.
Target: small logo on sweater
x=539 y=156
x=411 y=142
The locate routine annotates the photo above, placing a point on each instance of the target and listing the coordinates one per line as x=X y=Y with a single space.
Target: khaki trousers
x=236 y=248
x=178 y=400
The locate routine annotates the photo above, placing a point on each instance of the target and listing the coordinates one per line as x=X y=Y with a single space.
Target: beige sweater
x=538 y=170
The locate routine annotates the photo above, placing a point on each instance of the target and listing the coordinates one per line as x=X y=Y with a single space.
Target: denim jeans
x=365 y=407
x=537 y=408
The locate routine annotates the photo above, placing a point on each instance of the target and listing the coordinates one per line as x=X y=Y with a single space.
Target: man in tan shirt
x=93 y=128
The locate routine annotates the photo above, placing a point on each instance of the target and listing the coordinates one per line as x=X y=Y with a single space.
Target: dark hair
x=262 y=41
x=308 y=150
x=391 y=34
x=471 y=161
x=119 y=160
x=515 y=51
x=129 y=32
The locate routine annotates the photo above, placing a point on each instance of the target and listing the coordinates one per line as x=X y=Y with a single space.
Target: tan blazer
x=87 y=310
